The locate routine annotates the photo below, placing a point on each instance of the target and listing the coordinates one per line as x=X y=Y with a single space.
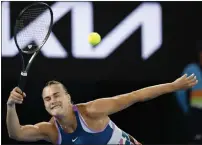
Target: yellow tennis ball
x=94 y=38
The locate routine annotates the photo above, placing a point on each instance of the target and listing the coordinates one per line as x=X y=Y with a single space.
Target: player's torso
x=85 y=136
x=92 y=132
x=88 y=130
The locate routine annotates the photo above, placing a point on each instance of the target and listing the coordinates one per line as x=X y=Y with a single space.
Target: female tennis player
x=85 y=123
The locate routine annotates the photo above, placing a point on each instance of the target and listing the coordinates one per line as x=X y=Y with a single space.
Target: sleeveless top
x=111 y=134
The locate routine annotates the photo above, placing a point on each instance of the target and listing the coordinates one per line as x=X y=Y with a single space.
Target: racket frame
x=25 y=68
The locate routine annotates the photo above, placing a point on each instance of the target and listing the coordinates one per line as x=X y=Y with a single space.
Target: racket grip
x=22 y=82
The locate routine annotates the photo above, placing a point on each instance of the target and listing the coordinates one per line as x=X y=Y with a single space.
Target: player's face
x=56 y=100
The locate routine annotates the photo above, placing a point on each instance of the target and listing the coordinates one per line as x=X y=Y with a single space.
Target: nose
x=53 y=101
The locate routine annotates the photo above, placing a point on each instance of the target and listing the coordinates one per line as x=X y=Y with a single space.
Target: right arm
x=27 y=132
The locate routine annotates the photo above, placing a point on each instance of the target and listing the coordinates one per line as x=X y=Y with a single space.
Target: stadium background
x=156 y=121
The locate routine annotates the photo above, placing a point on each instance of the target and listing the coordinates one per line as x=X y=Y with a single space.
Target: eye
x=47 y=98
x=56 y=95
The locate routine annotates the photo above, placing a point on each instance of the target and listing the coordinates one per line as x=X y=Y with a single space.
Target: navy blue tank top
x=82 y=134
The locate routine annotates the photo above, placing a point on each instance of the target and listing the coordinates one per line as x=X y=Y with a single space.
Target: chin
x=56 y=113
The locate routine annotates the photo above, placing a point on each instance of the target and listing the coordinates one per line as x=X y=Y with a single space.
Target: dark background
x=156 y=121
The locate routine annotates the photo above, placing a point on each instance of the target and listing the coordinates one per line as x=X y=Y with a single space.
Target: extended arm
x=107 y=106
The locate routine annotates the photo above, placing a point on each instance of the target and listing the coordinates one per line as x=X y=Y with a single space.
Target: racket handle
x=23 y=78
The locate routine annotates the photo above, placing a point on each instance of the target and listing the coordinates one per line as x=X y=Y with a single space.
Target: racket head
x=34 y=22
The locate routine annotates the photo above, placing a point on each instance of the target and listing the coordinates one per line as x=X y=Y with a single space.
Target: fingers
x=19 y=91
x=20 y=96
x=14 y=99
x=191 y=77
x=16 y=96
x=191 y=80
x=17 y=100
x=193 y=83
x=186 y=81
x=188 y=77
x=184 y=76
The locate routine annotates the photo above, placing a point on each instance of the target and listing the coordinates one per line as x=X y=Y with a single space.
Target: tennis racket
x=32 y=29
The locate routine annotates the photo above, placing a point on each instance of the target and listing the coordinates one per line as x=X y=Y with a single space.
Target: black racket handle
x=23 y=79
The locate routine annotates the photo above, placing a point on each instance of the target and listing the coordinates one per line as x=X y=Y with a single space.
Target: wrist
x=174 y=86
x=10 y=105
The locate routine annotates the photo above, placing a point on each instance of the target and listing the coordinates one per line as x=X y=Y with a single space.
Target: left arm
x=107 y=106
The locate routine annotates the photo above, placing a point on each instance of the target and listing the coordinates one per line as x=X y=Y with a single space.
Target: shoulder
x=85 y=110
x=82 y=108
x=51 y=121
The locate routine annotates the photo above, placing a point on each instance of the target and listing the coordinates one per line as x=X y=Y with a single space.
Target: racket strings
x=33 y=27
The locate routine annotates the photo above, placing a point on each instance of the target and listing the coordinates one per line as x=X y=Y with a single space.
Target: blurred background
x=143 y=44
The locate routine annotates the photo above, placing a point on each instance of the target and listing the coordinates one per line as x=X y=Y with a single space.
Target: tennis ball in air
x=94 y=38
